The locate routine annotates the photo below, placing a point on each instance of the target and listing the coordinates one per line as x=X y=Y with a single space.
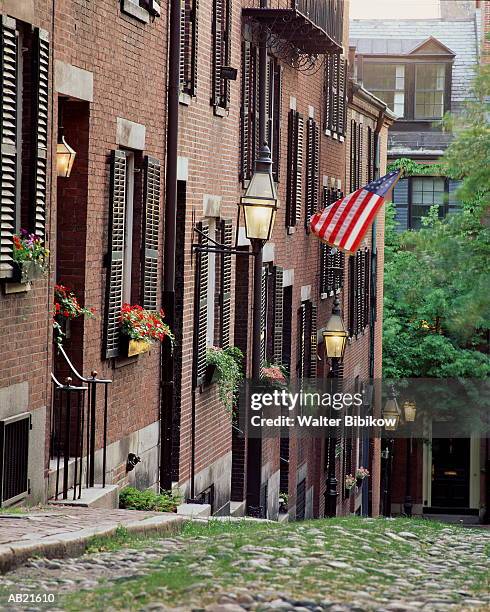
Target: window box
x=210 y=375
x=27 y=271
x=132 y=348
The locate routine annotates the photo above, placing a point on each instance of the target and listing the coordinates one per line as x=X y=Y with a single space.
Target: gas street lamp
x=391 y=412
x=409 y=411
x=260 y=201
x=335 y=338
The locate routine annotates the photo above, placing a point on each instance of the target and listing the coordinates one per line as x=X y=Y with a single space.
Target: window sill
x=134 y=10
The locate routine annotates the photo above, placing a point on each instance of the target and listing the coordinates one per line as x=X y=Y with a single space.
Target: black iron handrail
x=85 y=427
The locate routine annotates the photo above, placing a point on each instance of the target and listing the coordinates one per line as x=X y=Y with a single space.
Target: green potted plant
x=140 y=327
x=30 y=257
x=66 y=308
x=225 y=367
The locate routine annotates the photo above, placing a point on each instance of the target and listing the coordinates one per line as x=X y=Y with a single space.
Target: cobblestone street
x=344 y=564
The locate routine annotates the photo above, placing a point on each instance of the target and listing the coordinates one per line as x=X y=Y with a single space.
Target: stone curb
x=74 y=544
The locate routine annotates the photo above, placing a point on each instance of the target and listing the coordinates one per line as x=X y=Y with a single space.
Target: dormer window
x=387 y=82
x=429 y=91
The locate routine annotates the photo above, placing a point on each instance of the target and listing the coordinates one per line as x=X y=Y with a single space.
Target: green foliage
x=134 y=499
x=436 y=295
x=413 y=168
x=229 y=372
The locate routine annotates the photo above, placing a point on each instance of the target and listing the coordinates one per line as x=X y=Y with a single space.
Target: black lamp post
x=409 y=414
x=391 y=411
x=335 y=338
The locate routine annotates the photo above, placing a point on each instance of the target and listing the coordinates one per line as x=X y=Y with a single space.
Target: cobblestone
x=398 y=576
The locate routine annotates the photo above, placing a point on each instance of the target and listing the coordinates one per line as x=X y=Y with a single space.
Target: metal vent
x=14 y=456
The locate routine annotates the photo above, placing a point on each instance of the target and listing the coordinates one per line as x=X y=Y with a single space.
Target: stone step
x=93 y=497
x=238 y=508
x=460 y=519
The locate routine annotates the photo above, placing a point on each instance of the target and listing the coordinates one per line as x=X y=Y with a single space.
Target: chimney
x=457 y=10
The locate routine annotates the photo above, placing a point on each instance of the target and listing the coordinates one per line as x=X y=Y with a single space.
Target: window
x=188 y=46
x=294 y=194
x=414 y=196
x=429 y=91
x=332 y=261
x=387 y=82
x=359 y=291
x=221 y=29
x=335 y=95
x=356 y=155
x=312 y=170
x=249 y=123
x=132 y=263
x=24 y=61
x=426 y=192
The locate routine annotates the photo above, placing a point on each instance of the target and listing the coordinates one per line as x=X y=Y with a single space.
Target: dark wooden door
x=450 y=472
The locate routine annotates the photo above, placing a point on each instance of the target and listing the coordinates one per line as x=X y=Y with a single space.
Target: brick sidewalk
x=65 y=530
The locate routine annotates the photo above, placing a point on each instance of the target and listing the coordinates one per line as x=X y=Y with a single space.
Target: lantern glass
x=260 y=200
x=335 y=337
x=65 y=156
x=391 y=412
x=259 y=220
x=409 y=411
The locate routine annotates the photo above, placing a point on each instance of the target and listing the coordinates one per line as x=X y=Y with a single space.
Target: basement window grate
x=14 y=457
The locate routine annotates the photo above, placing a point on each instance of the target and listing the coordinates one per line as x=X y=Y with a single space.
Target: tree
x=437 y=280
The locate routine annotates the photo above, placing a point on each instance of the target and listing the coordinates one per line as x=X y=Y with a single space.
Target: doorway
x=451 y=472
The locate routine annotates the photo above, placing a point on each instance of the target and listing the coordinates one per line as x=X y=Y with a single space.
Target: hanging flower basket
x=30 y=257
x=350 y=482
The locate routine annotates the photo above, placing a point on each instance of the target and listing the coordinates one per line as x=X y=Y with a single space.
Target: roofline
x=369 y=97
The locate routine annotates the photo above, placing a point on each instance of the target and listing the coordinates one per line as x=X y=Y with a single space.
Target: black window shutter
x=335 y=93
x=373 y=284
x=342 y=96
x=313 y=314
x=248 y=111
x=263 y=317
x=151 y=221
x=221 y=51
x=278 y=314
x=189 y=22
x=117 y=212
x=9 y=127
x=328 y=93
x=302 y=341
x=225 y=282
x=218 y=51
x=352 y=295
x=41 y=133
x=353 y=155
x=360 y=166
x=201 y=306
x=276 y=127
x=290 y=192
x=312 y=170
x=299 y=167
x=323 y=270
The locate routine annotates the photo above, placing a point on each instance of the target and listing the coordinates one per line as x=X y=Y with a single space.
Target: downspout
x=167 y=393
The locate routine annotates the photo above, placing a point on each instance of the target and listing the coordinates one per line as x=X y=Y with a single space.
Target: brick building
x=98 y=76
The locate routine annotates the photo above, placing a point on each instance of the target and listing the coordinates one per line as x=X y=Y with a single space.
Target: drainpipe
x=167 y=393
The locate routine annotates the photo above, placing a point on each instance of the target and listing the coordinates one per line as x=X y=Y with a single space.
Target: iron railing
x=74 y=428
x=325 y=14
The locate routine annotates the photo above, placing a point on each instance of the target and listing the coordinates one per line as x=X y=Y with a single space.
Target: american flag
x=344 y=223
